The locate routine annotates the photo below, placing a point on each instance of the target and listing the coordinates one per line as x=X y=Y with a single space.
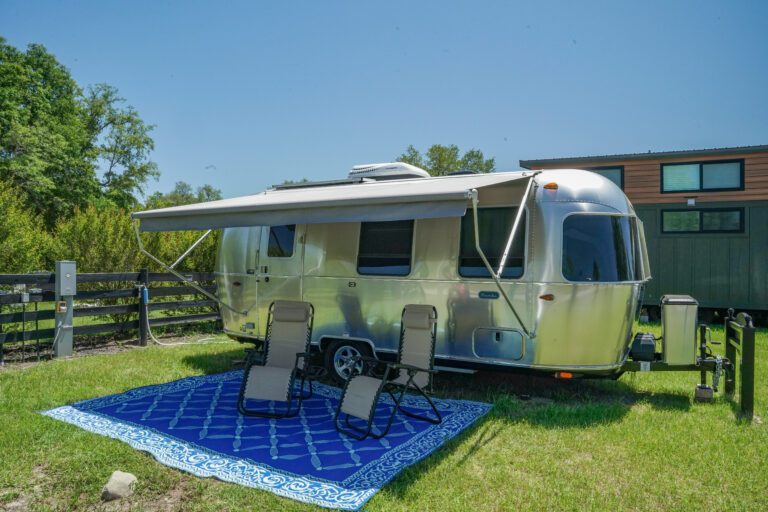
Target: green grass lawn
x=639 y=443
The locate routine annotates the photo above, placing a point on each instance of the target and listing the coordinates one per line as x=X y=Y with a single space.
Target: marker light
x=547 y=296
x=563 y=375
x=551 y=186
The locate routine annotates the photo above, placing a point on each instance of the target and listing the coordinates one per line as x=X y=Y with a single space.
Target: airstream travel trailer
x=537 y=271
x=567 y=289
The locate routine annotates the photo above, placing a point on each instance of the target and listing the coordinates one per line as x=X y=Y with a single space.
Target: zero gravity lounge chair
x=412 y=371
x=285 y=359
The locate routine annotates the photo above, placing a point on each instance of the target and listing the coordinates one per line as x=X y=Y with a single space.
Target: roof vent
x=390 y=171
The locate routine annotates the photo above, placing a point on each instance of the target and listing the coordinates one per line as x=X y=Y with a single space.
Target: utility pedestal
x=66 y=289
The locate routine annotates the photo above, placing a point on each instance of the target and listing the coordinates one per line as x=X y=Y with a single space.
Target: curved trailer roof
x=422 y=198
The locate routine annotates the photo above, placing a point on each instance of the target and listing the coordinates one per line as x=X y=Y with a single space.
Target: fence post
x=730 y=354
x=748 y=367
x=143 y=308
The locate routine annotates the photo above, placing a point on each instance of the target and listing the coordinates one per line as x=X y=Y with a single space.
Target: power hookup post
x=66 y=289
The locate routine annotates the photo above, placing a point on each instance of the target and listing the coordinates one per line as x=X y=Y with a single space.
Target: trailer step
x=454 y=370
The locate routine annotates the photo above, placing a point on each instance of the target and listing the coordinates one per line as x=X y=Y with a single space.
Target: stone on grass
x=120 y=485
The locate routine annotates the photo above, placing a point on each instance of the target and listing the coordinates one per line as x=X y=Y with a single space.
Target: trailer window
x=281 y=241
x=385 y=248
x=600 y=248
x=495 y=225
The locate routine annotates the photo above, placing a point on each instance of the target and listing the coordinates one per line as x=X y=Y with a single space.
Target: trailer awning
x=354 y=202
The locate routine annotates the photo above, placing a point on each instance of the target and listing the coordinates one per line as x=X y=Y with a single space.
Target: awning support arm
x=473 y=194
x=191 y=248
x=518 y=216
x=181 y=277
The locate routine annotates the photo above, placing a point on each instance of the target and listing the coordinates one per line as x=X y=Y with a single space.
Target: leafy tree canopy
x=182 y=193
x=65 y=147
x=440 y=160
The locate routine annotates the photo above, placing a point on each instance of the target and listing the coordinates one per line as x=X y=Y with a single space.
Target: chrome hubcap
x=342 y=361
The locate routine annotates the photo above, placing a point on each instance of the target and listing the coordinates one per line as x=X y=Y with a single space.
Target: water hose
x=144 y=303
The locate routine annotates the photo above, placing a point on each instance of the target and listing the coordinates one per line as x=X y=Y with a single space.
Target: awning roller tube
x=425 y=198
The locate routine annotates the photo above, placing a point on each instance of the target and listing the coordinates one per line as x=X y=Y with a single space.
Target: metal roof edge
x=528 y=164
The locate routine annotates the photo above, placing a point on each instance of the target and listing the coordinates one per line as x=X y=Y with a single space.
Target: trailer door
x=280 y=266
x=237 y=281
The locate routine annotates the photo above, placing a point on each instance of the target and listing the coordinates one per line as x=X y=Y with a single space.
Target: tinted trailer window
x=600 y=248
x=385 y=248
x=494 y=225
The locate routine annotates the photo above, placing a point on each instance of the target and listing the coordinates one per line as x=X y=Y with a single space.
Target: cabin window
x=281 y=240
x=721 y=220
x=385 y=248
x=615 y=174
x=600 y=248
x=494 y=225
x=703 y=176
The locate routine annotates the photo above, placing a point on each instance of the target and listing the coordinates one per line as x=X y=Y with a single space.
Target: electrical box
x=66 y=278
x=678 y=325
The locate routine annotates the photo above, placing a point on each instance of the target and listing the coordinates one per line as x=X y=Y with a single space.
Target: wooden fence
x=112 y=297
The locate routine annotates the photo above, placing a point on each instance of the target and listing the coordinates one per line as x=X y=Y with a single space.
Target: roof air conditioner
x=390 y=171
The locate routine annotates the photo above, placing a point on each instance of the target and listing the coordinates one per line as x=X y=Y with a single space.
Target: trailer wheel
x=337 y=355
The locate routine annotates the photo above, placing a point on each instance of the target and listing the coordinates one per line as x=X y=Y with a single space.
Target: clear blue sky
x=246 y=94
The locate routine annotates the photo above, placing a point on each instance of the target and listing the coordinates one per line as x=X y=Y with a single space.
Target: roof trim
x=531 y=164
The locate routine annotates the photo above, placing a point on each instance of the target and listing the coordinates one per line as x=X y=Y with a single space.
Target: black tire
x=338 y=350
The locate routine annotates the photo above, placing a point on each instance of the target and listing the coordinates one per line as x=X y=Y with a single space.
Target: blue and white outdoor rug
x=193 y=424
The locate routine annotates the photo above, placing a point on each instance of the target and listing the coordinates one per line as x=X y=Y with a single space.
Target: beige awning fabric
x=354 y=202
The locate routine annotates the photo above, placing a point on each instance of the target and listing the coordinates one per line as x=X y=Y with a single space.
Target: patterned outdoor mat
x=193 y=424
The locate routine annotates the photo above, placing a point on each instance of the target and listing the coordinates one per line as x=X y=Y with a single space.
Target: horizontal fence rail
x=112 y=299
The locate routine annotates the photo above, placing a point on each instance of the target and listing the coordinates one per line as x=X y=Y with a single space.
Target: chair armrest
x=311 y=371
x=369 y=364
x=367 y=359
x=253 y=356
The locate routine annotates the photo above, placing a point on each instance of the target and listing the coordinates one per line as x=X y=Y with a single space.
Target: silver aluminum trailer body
x=580 y=326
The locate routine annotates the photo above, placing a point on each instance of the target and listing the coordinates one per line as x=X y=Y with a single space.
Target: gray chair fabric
x=360 y=396
x=417 y=343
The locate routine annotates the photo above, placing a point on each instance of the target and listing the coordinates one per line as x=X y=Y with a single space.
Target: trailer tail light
x=551 y=186
x=563 y=375
x=547 y=297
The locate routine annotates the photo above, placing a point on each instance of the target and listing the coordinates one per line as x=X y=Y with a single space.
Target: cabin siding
x=758 y=289
x=720 y=270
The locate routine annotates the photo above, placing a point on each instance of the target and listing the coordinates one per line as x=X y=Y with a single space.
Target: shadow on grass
x=535 y=391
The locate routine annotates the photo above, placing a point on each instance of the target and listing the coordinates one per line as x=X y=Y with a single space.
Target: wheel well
x=327 y=340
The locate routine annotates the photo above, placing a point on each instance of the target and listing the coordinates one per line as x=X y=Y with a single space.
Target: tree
x=54 y=139
x=24 y=244
x=42 y=132
x=120 y=145
x=183 y=193
x=295 y=182
x=441 y=160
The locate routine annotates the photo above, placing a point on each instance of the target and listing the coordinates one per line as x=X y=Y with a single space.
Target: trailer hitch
x=718 y=371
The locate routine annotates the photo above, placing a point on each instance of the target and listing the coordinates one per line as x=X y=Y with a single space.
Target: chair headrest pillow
x=418 y=320
x=290 y=313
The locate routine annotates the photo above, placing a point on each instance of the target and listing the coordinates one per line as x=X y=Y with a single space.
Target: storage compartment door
x=498 y=343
